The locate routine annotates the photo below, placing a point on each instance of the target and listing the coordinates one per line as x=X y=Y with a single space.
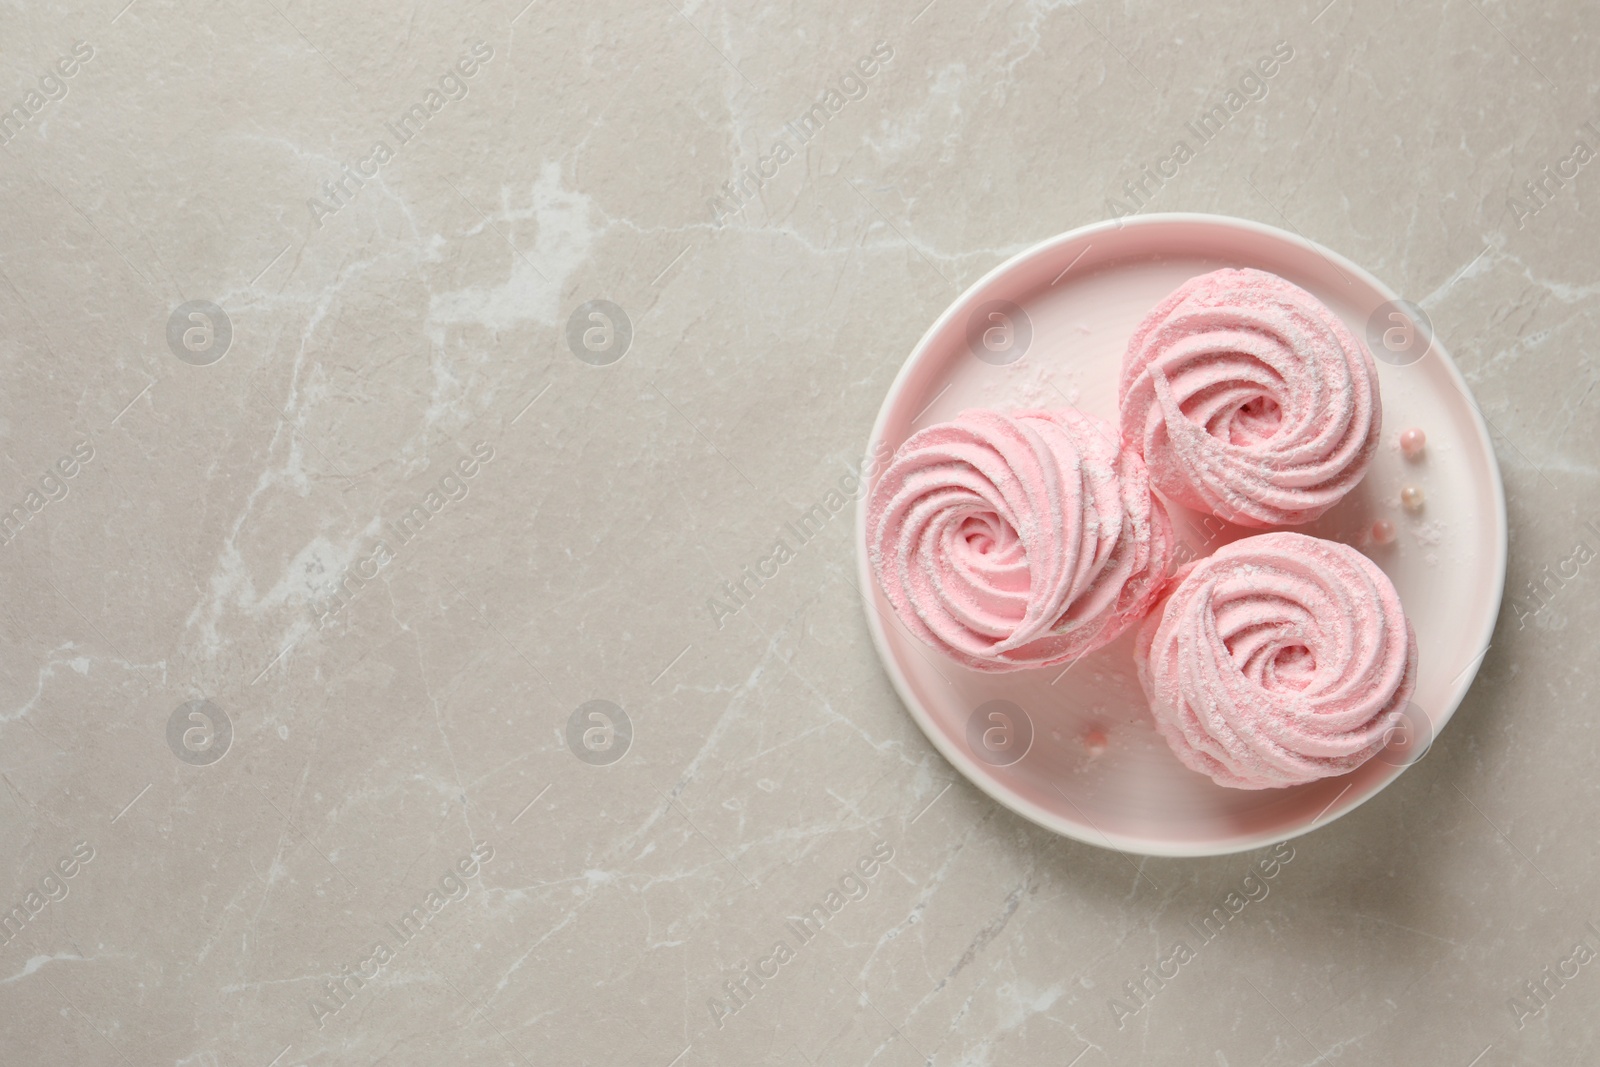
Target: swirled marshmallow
x=1249 y=399
x=1278 y=660
x=1021 y=540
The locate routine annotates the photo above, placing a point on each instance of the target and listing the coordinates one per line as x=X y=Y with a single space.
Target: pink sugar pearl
x=1412 y=442
x=1383 y=532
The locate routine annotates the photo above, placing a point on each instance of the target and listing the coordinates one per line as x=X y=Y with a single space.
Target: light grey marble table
x=318 y=534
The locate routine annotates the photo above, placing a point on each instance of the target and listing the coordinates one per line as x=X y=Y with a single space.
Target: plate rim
x=964 y=762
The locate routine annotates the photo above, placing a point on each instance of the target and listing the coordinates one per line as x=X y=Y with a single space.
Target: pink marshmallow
x=1279 y=660
x=1016 y=541
x=1249 y=399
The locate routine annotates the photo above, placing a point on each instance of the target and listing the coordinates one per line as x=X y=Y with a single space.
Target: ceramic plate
x=1076 y=750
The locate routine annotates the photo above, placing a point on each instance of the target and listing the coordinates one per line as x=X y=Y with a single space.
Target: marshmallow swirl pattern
x=1248 y=398
x=1280 y=659
x=1020 y=540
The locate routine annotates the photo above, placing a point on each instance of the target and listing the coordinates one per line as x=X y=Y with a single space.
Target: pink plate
x=1076 y=751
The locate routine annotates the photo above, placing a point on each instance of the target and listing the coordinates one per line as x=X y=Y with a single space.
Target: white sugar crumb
x=1428 y=534
x=1036 y=390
